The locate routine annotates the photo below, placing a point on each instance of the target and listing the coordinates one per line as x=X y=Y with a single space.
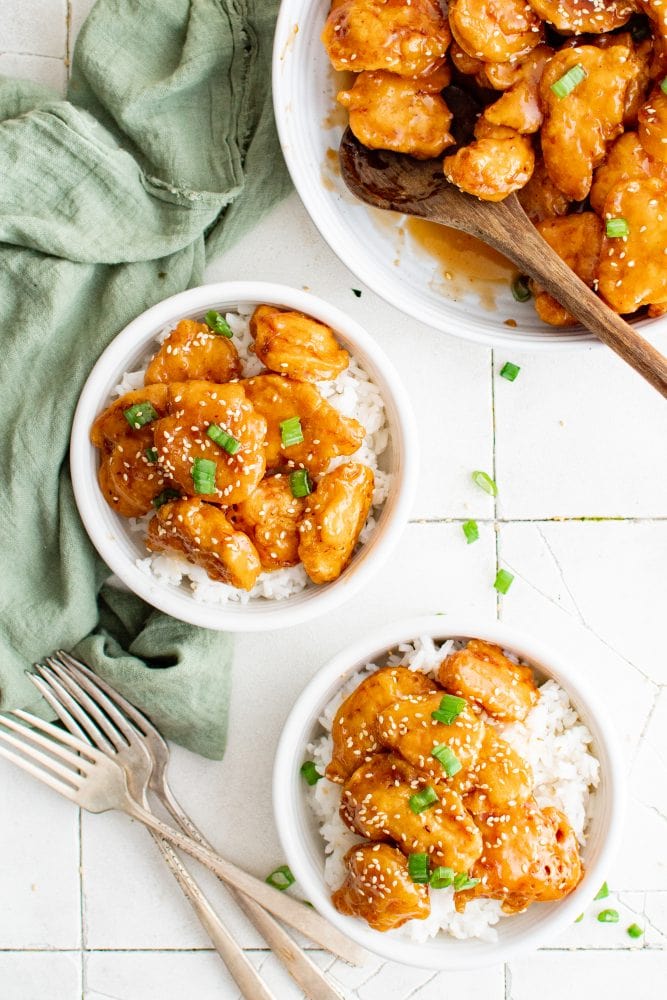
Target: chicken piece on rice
x=333 y=520
x=378 y=888
x=291 y=343
x=579 y=17
x=495 y=30
x=182 y=438
x=500 y=776
x=204 y=535
x=193 y=351
x=326 y=432
x=376 y=803
x=392 y=35
x=398 y=113
x=112 y=425
x=354 y=729
x=482 y=673
x=498 y=162
x=270 y=517
x=577 y=240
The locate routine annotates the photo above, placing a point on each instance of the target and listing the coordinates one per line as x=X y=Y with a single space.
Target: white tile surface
x=42 y=69
x=40 y=976
x=587 y=976
x=35 y=27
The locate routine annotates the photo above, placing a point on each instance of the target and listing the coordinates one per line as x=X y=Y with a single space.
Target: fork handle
x=294 y=913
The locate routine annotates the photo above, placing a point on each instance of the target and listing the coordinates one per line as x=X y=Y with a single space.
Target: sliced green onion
x=227 y=441
x=152 y=455
x=357 y=292
x=418 y=867
x=442 y=878
x=521 y=289
x=217 y=323
x=608 y=916
x=603 y=891
x=471 y=531
x=462 y=882
x=290 y=432
x=310 y=772
x=300 y=484
x=569 y=81
x=485 y=482
x=203 y=475
x=140 y=414
x=165 y=497
x=635 y=931
x=579 y=918
x=503 y=581
x=663 y=85
x=281 y=878
x=449 y=709
x=509 y=371
x=451 y=765
x=616 y=227
x=422 y=800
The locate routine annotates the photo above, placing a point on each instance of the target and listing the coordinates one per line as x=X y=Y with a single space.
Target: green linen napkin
x=164 y=153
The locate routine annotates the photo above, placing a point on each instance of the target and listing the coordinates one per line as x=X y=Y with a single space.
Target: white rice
x=552 y=739
x=353 y=394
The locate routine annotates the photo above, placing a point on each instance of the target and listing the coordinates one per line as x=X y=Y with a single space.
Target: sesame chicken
x=652 y=126
x=291 y=343
x=270 y=518
x=206 y=538
x=580 y=16
x=499 y=776
x=482 y=673
x=626 y=160
x=518 y=108
x=128 y=476
x=410 y=39
x=378 y=888
x=540 y=198
x=193 y=351
x=333 y=519
x=495 y=30
x=354 y=729
x=577 y=240
x=112 y=425
x=496 y=163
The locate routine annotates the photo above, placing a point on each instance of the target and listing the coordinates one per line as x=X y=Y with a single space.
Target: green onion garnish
x=485 y=482
x=462 y=882
x=290 y=432
x=603 y=891
x=310 y=772
x=165 y=497
x=569 y=81
x=663 y=85
x=503 y=581
x=521 y=289
x=449 y=709
x=218 y=324
x=509 y=371
x=608 y=916
x=471 y=531
x=422 y=800
x=579 y=918
x=442 y=878
x=300 y=483
x=418 y=868
x=203 y=475
x=616 y=227
x=140 y=414
x=635 y=931
x=227 y=442
x=357 y=292
x=281 y=878
x=451 y=765
x=152 y=455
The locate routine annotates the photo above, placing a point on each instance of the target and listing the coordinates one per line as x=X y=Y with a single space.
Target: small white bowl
x=303 y=844
x=120 y=548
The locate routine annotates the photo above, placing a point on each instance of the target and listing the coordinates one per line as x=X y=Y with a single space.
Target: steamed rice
x=353 y=394
x=552 y=739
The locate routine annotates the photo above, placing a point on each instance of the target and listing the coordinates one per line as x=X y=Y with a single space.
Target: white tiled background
x=577 y=445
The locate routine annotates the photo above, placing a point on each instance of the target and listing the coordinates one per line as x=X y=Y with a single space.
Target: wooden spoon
x=419 y=187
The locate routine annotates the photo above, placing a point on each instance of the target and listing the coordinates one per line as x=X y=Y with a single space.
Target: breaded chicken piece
x=129 y=476
x=495 y=30
x=519 y=107
x=291 y=343
x=577 y=240
x=376 y=803
x=354 y=729
x=626 y=160
x=407 y=39
x=578 y=17
x=326 y=432
x=494 y=165
x=398 y=113
x=482 y=673
x=500 y=776
x=270 y=518
x=204 y=535
x=378 y=888
x=112 y=425
x=540 y=198
x=652 y=127
x=193 y=351
x=333 y=519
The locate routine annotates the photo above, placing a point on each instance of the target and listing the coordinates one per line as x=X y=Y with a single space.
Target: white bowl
x=120 y=548
x=303 y=844
x=374 y=244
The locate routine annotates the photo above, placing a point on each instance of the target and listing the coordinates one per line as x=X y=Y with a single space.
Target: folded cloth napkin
x=164 y=153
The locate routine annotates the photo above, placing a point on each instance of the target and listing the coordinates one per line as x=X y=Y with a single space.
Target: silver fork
x=74 y=708
x=86 y=776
